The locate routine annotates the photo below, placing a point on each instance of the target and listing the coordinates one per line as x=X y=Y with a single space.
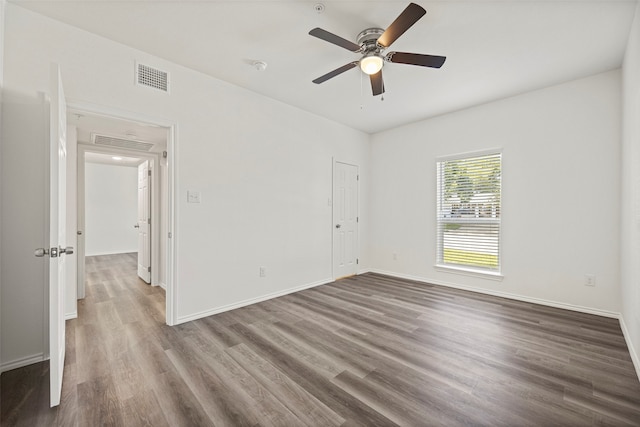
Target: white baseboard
x=23 y=361
x=162 y=285
x=122 y=252
x=217 y=310
x=572 y=307
x=69 y=316
x=632 y=351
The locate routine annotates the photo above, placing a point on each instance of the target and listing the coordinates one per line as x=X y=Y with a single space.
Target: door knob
x=79 y=233
x=68 y=250
x=40 y=252
x=136 y=226
x=338 y=225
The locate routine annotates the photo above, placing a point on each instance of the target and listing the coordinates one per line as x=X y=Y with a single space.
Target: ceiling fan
x=372 y=42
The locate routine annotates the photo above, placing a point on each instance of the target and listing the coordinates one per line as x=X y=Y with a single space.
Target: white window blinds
x=468 y=227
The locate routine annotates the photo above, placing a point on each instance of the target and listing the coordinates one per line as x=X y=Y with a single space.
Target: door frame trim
x=171 y=243
x=333 y=219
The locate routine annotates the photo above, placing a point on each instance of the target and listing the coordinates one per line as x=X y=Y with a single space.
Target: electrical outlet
x=263 y=271
x=395 y=256
x=589 y=279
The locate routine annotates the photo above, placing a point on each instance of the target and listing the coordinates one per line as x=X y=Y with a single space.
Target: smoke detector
x=259 y=65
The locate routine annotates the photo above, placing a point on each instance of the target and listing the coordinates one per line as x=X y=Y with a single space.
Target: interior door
x=345 y=220
x=144 y=221
x=57 y=234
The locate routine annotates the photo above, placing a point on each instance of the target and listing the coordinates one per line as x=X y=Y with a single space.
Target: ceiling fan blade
x=432 y=61
x=407 y=18
x=377 y=84
x=335 y=72
x=332 y=38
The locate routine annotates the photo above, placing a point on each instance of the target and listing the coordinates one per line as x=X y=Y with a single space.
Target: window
x=469 y=211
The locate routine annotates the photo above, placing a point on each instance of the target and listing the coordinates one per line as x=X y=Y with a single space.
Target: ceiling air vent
x=152 y=77
x=114 y=141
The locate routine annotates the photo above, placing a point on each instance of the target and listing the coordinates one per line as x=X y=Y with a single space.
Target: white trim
x=111 y=253
x=171 y=273
x=171 y=254
x=632 y=351
x=556 y=304
x=72 y=315
x=23 y=361
x=162 y=285
x=485 y=274
x=250 y=301
x=467 y=154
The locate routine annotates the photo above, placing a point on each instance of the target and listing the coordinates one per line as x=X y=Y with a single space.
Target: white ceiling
x=494 y=49
x=110 y=159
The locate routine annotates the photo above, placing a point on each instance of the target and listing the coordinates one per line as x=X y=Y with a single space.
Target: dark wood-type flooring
x=369 y=350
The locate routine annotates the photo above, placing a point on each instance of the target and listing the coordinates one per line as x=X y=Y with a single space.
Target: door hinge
x=149 y=172
x=170 y=235
x=149 y=269
x=148 y=220
x=357 y=219
x=357 y=177
x=357 y=261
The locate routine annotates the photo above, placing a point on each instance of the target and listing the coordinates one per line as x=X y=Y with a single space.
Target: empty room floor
x=369 y=350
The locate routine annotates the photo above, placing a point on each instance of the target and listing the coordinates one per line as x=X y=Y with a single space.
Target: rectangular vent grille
x=113 y=141
x=152 y=77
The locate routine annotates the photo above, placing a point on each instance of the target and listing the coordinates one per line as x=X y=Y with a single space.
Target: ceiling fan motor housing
x=367 y=39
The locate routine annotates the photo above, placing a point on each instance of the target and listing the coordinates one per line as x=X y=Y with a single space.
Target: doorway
x=110 y=140
x=345 y=220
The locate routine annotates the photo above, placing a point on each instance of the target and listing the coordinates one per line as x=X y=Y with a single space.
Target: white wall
x=111 y=209
x=263 y=169
x=630 y=218
x=2 y=14
x=23 y=228
x=561 y=160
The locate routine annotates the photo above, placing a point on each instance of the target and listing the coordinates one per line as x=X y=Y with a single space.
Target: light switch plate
x=193 y=196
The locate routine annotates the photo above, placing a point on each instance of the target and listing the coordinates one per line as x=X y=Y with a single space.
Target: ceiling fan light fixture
x=371 y=64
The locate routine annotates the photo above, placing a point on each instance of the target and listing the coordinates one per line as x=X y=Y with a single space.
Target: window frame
x=495 y=274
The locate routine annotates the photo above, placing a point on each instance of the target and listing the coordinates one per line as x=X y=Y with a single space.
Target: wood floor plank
x=368 y=350
x=305 y=406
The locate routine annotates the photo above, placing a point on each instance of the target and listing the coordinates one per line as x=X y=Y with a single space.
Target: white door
x=345 y=220
x=57 y=234
x=144 y=222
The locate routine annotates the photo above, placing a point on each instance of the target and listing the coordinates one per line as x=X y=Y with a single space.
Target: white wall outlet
x=589 y=279
x=193 y=196
x=263 y=271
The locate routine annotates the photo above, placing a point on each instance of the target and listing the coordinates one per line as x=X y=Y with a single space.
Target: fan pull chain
x=361 y=95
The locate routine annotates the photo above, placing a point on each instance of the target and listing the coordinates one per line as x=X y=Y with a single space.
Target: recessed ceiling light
x=116 y=158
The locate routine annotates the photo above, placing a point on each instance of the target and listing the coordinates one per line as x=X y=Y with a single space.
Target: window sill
x=470 y=272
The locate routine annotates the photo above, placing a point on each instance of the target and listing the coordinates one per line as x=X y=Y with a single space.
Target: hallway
x=109 y=352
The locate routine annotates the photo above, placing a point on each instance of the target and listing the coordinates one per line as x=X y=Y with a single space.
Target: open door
x=144 y=221
x=56 y=249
